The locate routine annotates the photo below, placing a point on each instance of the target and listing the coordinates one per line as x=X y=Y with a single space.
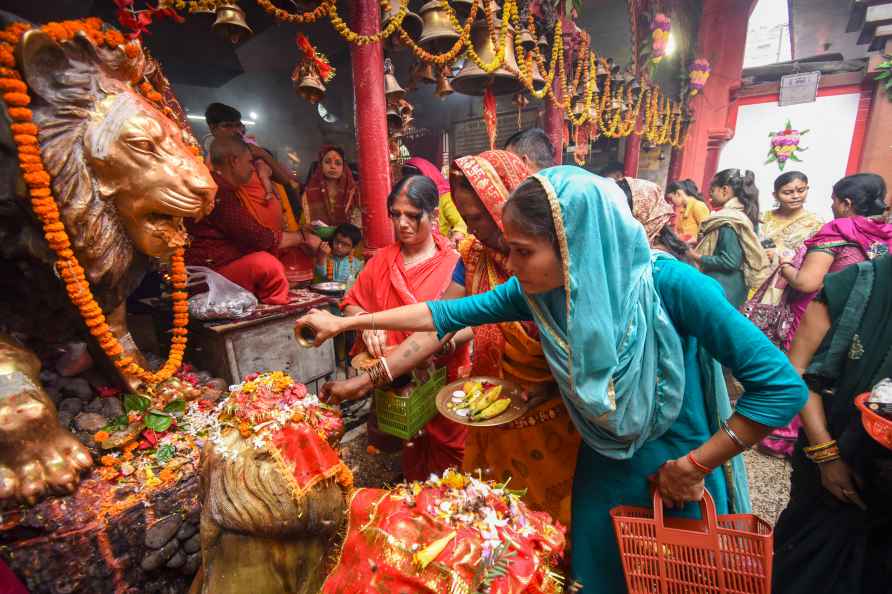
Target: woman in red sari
x=331 y=195
x=417 y=268
x=534 y=450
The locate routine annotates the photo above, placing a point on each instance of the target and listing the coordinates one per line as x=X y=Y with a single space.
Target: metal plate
x=330 y=288
x=518 y=407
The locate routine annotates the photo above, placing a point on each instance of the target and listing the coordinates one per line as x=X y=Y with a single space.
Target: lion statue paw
x=37 y=456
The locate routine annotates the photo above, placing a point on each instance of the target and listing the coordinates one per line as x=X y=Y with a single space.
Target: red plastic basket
x=714 y=555
x=877 y=426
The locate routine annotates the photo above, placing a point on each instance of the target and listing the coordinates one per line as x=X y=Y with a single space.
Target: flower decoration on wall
x=785 y=145
x=659 y=32
x=698 y=72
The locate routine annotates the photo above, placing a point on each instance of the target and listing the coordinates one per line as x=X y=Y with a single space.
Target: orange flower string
x=16 y=97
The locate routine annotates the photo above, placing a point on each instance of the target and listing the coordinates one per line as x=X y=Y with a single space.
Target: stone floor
x=769 y=484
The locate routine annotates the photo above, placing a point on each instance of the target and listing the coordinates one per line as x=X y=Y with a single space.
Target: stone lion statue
x=124 y=178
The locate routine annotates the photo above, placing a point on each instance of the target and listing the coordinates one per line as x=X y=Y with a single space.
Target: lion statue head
x=124 y=173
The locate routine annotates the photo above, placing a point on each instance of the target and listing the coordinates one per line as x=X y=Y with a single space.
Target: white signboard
x=799 y=88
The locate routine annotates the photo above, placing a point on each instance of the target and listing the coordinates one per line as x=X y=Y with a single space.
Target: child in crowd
x=336 y=261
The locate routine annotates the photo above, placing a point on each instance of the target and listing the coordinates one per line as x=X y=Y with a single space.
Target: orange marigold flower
x=13 y=85
x=25 y=128
x=166 y=474
x=108 y=460
x=100 y=436
x=132 y=50
x=17 y=99
x=6 y=57
x=114 y=38
x=128 y=456
x=25 y=139
x=40 y=179
x=22 y=114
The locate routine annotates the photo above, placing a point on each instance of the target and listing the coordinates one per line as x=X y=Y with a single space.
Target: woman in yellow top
x=690 y=210
x=450 y=223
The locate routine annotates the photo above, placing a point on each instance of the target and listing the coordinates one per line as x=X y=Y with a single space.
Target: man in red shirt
x=231 y=241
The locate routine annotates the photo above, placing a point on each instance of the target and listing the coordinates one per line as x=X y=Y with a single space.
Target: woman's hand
x=838 y=478
x=323 y=323
x=375 y=342
x=353 y=388
x=694 y=255
x=678 y=482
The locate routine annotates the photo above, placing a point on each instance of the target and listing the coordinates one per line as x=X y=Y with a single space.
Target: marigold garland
x=45 y=207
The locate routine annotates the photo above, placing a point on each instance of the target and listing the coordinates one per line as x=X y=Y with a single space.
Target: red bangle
x=697 y=465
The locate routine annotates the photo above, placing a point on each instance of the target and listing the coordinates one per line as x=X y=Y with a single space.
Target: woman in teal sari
x=623 y=337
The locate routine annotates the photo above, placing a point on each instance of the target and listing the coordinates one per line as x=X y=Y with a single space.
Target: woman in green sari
x=622 y=336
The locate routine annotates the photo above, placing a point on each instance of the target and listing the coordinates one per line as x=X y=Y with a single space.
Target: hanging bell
x=307 y=82
x=427 y=74
x=444 y=89
x=437 y=35
x=536 y=77
x=408 y=121
x=543 y=45
x=472 y=80
x=579 y=107
x=231 y=23
x=527 y=41
x=394 y=120
x=392 y=89
x=521 y=100
x=405 y=107
x=462 y=9
x=411 y=24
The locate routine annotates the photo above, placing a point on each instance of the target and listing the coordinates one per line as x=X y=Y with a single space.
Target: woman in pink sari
x=857 y=233
x=417 y=268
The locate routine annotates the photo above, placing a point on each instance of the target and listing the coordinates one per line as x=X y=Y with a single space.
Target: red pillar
x=554 y=127
x=371 y=127
x=632 y=155
x=722 y=39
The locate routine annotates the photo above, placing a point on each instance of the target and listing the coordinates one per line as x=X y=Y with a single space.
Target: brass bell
x=536 y=77
x=543 y=44
x=231 y=23
x=411 y=24
x=392 y=89
x=437 y=36
x=426 y=73
x=444 y=89
x=462 y=9
x=579 y=107
x=405 y=107
x=394 y=120
x=472 y=80
x=527 y=41
x=307 y=82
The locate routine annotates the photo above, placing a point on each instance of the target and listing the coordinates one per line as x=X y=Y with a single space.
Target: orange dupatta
x=510 y=347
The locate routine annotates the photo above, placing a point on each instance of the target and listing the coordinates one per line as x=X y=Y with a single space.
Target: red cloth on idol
x=9 y=583
x=262 y=274
x=385 y=283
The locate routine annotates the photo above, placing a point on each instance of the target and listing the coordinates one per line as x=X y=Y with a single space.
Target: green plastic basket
x=404 y=416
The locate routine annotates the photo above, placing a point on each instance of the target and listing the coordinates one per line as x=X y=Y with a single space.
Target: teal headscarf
x=609 y=342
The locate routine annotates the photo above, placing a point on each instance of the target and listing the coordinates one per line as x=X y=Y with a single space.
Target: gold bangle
x=819 y=447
